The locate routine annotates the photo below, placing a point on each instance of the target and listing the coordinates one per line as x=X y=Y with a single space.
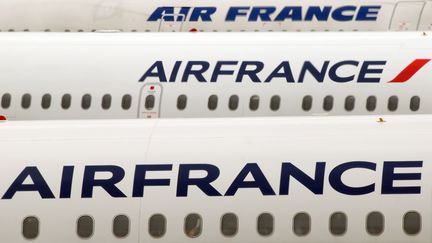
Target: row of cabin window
x=233 y=103
x=66 y=100
x=229 y=225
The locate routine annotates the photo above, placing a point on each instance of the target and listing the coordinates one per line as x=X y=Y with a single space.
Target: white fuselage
x=167 y=75
x=212 y=15
x=69 y=181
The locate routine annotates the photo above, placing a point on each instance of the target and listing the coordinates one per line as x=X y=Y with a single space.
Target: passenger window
x=338 y=223
x=254 y=102
x=126 y=102
x=265 y=224
x=46 y=101
x=85 y=226
x=66 y=101
x=392 y=103
x=412 y=223
x=106 y=102
x=6 y=101
x=302 y=224
x=371 y=103
x=229 y=224
x=212 y=102
x=275 y=103
x=86 y=101
x=193 y=225
x=375 y=223
x=149 y=102
x=121 y=226
x=26 y=101
x=157 y=225
x=415 y=103
x=30 y=227
x=181 y=102
x=328 y=103
x=233 y=102
x=307 y=103
x=349 y=103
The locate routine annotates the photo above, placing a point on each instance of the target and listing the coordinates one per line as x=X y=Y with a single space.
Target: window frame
x=31 y=237
x=92 y=226
x=126 y=234
x=164 y=226
x=233 y=234
x=201 y=225
x=259 y=230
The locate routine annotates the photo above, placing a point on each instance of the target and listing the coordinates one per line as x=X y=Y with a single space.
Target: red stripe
x=410 y=70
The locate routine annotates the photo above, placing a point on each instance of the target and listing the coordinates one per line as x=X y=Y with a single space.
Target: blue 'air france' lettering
x=269 y=13
x=394 y=177
x=202 y=71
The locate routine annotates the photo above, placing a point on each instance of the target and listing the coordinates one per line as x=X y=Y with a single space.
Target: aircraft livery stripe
x=410 y=70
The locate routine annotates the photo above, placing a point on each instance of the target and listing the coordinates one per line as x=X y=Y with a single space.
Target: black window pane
x=149 y=102
x=6 y=101
x=415 y=103
x=30 y=227
x=371 y=103
x=85 y=226
x=26 y=101
x=46 y=101
x=66 y=101
x=302 y=224
x=328 y=103
x=181 y=102
x=393 y=103
x=265 y=224
x=349 y=103
x=157 y=225
x=338 y=223
x=254 y=102
x=307 y=103
x=233 y=102
x=126 y=102
x=106 y=102
x=229 y=224
x=121 y=226
x=412 y=223
x=86 y=101
x=275 y=103
x=212 y=102
x=193 y=225
x=375 y=223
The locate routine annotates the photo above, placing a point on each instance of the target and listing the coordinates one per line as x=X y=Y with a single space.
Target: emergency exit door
x=406 y=15
x=150 y=101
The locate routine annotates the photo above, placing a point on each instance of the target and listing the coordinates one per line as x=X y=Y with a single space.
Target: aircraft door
x=172 y=22
x=150 y=101
x=426 y=19
x=406 y=15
